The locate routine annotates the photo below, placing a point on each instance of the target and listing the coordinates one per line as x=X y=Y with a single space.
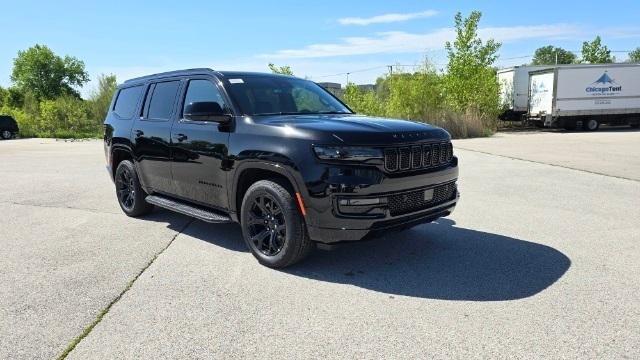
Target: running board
x=197 y=212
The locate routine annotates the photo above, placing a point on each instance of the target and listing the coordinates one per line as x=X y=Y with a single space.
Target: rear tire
x=131 y=197
x=272 y=226
x=6 y=134
x=591 y=125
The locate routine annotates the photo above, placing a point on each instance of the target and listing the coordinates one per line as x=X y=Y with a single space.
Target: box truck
x=514 y=90
x=585 y=96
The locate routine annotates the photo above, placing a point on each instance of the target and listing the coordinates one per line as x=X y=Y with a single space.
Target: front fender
x=276 y=167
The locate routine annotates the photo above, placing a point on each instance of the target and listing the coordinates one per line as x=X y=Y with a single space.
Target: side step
x=187 y=209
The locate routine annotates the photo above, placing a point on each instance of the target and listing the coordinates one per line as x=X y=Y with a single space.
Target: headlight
x=349 y=153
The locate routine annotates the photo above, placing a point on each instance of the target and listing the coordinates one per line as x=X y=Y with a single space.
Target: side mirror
x=206 y=111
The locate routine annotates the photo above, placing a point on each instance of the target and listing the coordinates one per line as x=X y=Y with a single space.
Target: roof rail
x=172 y=73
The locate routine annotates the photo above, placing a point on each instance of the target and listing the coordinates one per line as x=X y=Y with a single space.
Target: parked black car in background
x=280 y=155
x=8 y=127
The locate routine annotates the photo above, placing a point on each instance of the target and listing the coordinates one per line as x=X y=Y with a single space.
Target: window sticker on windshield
x=236 y=81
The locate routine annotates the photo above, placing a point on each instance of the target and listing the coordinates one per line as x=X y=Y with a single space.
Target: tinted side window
x=126 y=101
x=203 y=91
x=162 y=100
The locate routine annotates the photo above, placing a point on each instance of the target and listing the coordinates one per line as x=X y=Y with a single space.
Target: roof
x=570 y=66
x=200 y=71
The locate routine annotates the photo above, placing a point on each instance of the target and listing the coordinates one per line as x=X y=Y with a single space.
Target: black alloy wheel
x=267 y=225
x=129 y=192
x=126 y=189
x=273 y=225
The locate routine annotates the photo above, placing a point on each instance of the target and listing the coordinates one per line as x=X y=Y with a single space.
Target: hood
x=356 y=129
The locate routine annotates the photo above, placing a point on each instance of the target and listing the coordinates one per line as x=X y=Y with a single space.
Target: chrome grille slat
x=391 y=159
x=426 y=155
x=435 y=155
x=405 y=158
x=416 y=157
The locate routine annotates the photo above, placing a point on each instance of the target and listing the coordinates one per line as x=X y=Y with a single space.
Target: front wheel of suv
x=129 y=192
x=272 y=225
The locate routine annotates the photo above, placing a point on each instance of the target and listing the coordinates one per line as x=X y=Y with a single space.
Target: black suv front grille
x=417 y=157
x=409 y=202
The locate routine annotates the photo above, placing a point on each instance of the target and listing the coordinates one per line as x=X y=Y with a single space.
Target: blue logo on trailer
x=604 y=86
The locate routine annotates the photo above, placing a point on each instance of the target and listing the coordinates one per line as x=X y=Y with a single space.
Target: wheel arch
x=251 y=172
x=119 y=153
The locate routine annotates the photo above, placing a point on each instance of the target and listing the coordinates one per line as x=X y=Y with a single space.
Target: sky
x=321 y=40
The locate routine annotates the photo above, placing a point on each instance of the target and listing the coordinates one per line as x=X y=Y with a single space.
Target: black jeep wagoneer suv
x=279 y=155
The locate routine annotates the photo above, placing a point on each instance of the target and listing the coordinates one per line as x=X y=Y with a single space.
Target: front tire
x=272 y=225
x=6 y=134
x=130 y=195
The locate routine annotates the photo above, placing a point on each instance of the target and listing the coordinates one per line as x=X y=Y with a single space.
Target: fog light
x=362 y=207
x=360 y=202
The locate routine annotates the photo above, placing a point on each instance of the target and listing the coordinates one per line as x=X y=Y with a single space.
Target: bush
x=420 y=97
x=66 y=116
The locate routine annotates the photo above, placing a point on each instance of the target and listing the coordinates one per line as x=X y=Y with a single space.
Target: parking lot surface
x=540 y=259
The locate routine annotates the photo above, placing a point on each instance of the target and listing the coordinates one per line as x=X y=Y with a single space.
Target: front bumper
x=328 y=221
x=334 y=235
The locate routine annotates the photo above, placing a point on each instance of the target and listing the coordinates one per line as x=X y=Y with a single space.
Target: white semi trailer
x=514 y=90
x=585 y=96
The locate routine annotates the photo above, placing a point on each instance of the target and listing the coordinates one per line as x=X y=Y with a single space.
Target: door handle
x=181 y=137
x=139 y=133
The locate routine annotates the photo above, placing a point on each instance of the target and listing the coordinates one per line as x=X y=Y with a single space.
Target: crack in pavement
x=96 y=211
x=129 y=285
x=544 y=163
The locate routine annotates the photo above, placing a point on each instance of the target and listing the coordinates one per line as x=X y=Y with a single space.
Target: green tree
x=415 y=96
x=14 y=98
x=284 y=70
x=634 y=56
x=47 y=75
x=363 y=101
x=547 y=55
x=595 y=53
x=471 y=83
x=66 y=116
x=101 y=97
x=3 y=96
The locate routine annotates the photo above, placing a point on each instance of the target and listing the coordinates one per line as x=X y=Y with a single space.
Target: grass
x=105 y=311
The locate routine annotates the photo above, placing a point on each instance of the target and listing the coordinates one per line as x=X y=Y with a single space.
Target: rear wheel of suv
x=129 y=192
x=272 y=225
x=6 y=134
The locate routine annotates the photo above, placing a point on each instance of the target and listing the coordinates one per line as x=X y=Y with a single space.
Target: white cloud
x=387 y=18
x=403 y=42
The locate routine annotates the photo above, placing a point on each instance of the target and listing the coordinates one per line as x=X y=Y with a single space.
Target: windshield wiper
x=279 y=113
x=302 y=113
x=330 y=112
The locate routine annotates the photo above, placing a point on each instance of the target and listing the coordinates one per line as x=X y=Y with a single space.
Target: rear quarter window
x=126 y=101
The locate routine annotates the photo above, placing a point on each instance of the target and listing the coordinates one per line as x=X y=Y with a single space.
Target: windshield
x=272 y=95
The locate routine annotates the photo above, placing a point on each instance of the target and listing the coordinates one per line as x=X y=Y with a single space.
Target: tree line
x=593 y=52
x=44 y=99
x=464 y=99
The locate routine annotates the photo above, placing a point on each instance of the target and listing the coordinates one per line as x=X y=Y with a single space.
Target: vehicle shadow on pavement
x=441 y=261
x=433 y=261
